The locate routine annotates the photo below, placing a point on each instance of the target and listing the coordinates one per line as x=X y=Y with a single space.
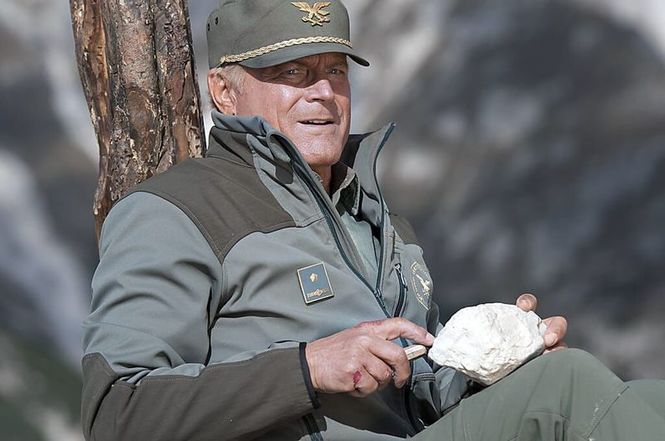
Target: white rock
x=487 y=342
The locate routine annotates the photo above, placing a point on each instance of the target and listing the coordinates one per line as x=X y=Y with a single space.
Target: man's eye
x=336 y=71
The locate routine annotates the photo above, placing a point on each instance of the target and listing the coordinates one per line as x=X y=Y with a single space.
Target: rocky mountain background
x=529 y=155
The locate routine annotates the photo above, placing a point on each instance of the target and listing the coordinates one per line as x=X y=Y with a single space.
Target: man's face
x=309 y=100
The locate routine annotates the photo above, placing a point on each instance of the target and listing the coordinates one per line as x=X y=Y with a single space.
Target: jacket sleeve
x=146 y=341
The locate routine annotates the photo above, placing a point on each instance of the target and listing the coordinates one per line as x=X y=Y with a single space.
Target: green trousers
x=565 y=395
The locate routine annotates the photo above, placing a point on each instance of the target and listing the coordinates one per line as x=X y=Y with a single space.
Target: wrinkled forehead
x=318 y=60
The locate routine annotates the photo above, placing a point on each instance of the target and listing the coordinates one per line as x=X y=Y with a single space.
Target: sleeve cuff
x=313 y=396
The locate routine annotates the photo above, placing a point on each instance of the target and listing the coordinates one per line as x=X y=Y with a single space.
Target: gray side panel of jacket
x=145 y=364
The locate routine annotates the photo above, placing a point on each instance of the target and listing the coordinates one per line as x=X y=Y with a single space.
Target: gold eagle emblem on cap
x=316 y=16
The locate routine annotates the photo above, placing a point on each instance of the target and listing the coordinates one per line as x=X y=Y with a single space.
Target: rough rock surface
x=487 y=342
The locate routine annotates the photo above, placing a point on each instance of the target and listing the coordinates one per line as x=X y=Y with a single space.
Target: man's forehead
x=328 y=58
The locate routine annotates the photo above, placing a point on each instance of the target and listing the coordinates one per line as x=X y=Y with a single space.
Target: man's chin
x=324 y=159
x=323 y=151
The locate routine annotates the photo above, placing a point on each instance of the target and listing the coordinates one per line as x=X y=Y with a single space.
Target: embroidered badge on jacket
x=422 y=284
x=314 y=283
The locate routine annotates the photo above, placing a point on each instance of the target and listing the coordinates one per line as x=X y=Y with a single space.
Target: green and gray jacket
x=212 y=277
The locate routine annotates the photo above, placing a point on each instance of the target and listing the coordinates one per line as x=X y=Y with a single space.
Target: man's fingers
x=556 y=331
x=380 y=371
x=394 y=356
x=364 y=383
x=559 y=347
x=527 y=302
x=361 y=359
x=390 y=329
x=556 y=326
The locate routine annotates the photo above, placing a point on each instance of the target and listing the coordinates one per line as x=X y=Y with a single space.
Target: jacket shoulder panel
x=225 y=199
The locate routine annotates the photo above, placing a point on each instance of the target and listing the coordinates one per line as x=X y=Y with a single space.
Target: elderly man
x=266 y=291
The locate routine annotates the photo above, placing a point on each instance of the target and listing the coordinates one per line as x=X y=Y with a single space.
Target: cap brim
x=291 y=53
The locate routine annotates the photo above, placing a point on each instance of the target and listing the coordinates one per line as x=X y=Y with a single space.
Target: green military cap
x=263 y=33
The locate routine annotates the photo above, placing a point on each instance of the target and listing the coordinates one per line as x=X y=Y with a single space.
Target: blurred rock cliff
x=529 y=155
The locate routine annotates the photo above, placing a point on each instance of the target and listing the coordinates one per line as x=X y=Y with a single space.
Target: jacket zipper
x=402 y=290
x=312 y=428
x=417 y=425
x=383 y=208
x=405 y=390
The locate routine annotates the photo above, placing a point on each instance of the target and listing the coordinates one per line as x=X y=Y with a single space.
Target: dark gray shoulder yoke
x=225 y=199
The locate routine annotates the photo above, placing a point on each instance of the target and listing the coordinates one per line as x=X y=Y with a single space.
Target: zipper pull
x=400 y=275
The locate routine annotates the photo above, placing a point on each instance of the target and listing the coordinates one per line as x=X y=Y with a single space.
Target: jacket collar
x=242 y=137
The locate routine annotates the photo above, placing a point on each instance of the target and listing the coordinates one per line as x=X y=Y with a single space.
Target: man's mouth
x=317 y=122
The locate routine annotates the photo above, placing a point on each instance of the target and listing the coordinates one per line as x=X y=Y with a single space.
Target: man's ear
x=223 y=96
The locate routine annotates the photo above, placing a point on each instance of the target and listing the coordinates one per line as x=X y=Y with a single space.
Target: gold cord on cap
x=281 y=45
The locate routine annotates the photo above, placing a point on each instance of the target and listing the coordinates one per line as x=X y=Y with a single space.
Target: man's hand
x=362 y=359
x=556 y=326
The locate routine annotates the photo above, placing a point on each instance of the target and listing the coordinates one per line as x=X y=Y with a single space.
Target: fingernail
x=550 y=339
x=524 y=305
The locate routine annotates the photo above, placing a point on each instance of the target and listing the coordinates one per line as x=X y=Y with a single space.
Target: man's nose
x=320 y=90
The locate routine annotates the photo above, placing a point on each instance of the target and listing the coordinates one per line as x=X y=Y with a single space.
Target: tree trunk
x=137 y=68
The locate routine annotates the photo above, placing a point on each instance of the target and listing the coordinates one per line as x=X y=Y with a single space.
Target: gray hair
x=234 y=77
x=232 y=74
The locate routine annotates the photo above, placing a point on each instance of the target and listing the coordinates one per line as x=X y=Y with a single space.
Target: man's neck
x=325 y=175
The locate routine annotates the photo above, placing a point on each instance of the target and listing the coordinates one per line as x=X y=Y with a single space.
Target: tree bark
x=137 y=68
